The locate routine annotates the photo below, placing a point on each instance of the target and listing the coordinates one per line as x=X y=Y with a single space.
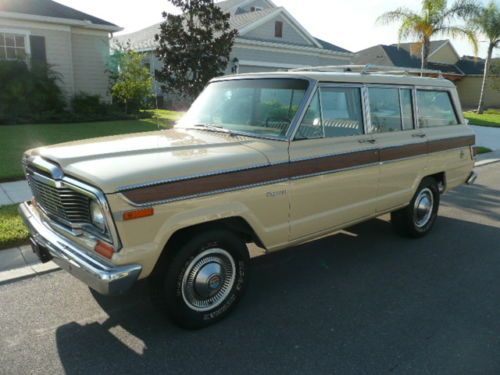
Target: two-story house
x=73 y=43
x=269 y=39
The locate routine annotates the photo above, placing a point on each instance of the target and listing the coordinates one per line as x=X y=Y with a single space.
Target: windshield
x=257 y=107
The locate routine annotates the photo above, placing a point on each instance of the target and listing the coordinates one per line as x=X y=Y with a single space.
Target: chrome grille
x=61 y=204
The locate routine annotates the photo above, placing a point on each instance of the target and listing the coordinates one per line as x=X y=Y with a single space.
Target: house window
x=278 y=29
x=13 y=46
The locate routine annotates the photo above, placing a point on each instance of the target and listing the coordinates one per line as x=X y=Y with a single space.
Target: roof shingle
x=49 y=8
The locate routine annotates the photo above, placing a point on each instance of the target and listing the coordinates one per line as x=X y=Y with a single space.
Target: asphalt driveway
x=360 y=302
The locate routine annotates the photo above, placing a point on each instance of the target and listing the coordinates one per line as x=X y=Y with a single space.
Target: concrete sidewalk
x=485 y=159
x=20 y=262
x=487 y=137
x=14 y=192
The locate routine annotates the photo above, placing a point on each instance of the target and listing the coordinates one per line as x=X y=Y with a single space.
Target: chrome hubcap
x=208 y=279
x=424 y=205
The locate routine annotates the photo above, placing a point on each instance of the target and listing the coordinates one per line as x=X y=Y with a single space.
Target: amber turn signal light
x=137 y=214
x=104 y=249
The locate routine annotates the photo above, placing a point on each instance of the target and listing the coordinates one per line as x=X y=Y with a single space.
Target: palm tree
x=488 y=23
x=435 y=18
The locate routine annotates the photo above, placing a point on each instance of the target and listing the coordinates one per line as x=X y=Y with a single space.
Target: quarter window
x=311 y=126
x=435 y=109
x=385 y=110
x=13 y=46
x=342 y=111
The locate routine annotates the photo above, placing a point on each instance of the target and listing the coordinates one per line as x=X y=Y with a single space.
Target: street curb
x=485 y=162
x=18 y=274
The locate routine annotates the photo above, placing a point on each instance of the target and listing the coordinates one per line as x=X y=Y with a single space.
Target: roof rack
x=369 y=69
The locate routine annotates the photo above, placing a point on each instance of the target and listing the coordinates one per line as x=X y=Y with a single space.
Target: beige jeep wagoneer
x=276 y=159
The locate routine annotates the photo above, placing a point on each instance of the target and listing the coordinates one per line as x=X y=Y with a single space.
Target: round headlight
x=97 y=216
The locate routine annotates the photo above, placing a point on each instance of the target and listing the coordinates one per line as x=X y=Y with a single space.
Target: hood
x=111 y=163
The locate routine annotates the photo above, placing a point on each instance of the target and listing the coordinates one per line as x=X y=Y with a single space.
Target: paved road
x=361 y=302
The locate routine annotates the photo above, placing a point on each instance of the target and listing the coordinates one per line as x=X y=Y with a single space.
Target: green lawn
x=482 y=150
x=15 y=139
x=13 y=232
x=489 y=118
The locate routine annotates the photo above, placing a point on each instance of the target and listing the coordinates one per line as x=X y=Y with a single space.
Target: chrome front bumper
x=101 y=276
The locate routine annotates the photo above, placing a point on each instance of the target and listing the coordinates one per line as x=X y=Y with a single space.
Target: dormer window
x=278 y=29
x=255 y=9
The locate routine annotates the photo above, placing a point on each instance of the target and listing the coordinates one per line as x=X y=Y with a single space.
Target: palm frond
x=411 y=27
x=464 y=9
x=456 y=32
x=400 y=14
x=488 y=22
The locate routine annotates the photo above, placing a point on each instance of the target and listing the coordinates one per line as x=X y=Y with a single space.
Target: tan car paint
x=317 y=205
x=114 y=162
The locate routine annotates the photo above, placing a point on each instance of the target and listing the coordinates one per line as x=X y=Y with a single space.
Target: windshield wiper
x=213 y=128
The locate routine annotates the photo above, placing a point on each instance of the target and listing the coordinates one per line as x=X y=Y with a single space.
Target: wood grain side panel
x=232 y=180
x=448 y=144
x=201 y=185
x=401 y=152
x=333 y=163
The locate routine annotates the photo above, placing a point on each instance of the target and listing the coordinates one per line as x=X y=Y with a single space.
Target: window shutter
x=278 y=29
x=38 y=53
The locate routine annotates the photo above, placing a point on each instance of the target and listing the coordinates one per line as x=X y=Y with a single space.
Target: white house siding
x=469 y=90
x=290 y=33
x=90 y=56
x=272 y=59
x=57 y=46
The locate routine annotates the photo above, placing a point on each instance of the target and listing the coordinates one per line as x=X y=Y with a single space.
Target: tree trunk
x=487 y=63
x=426 y=47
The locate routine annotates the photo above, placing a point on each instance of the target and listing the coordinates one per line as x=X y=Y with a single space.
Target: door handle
x=419 y=135
x=372 y=141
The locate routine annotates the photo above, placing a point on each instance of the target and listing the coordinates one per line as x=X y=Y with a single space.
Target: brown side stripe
x=227 y=181
x=394 y=153
x=448 y=144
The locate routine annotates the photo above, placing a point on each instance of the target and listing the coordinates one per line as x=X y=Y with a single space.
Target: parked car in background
x=275 y=159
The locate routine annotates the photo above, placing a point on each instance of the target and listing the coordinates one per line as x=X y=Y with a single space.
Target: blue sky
x=349 y=24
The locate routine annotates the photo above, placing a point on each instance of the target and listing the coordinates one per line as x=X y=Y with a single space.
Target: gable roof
x=401 y=57
x=51 y=10
x=144 y=40
x=243 y=20
x=232 y=5
x=471 y=66
x=435 y=46
x=268 y=14
x=332 y=47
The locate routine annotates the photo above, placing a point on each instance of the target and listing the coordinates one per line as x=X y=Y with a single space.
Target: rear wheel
x=204 y=280
x=417 y=219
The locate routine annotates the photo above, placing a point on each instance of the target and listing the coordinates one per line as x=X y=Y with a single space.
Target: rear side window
x=342 y=111
x=385 y=109
x=435 y=109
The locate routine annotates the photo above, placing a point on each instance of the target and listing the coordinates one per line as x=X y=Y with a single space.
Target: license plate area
x=42 y=252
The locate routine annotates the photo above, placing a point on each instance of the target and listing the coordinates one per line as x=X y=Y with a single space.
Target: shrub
x=86 y=104
x=28 y=93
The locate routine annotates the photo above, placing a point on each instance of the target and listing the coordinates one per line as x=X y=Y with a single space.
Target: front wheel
x=417 y=219
x=204 y=280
